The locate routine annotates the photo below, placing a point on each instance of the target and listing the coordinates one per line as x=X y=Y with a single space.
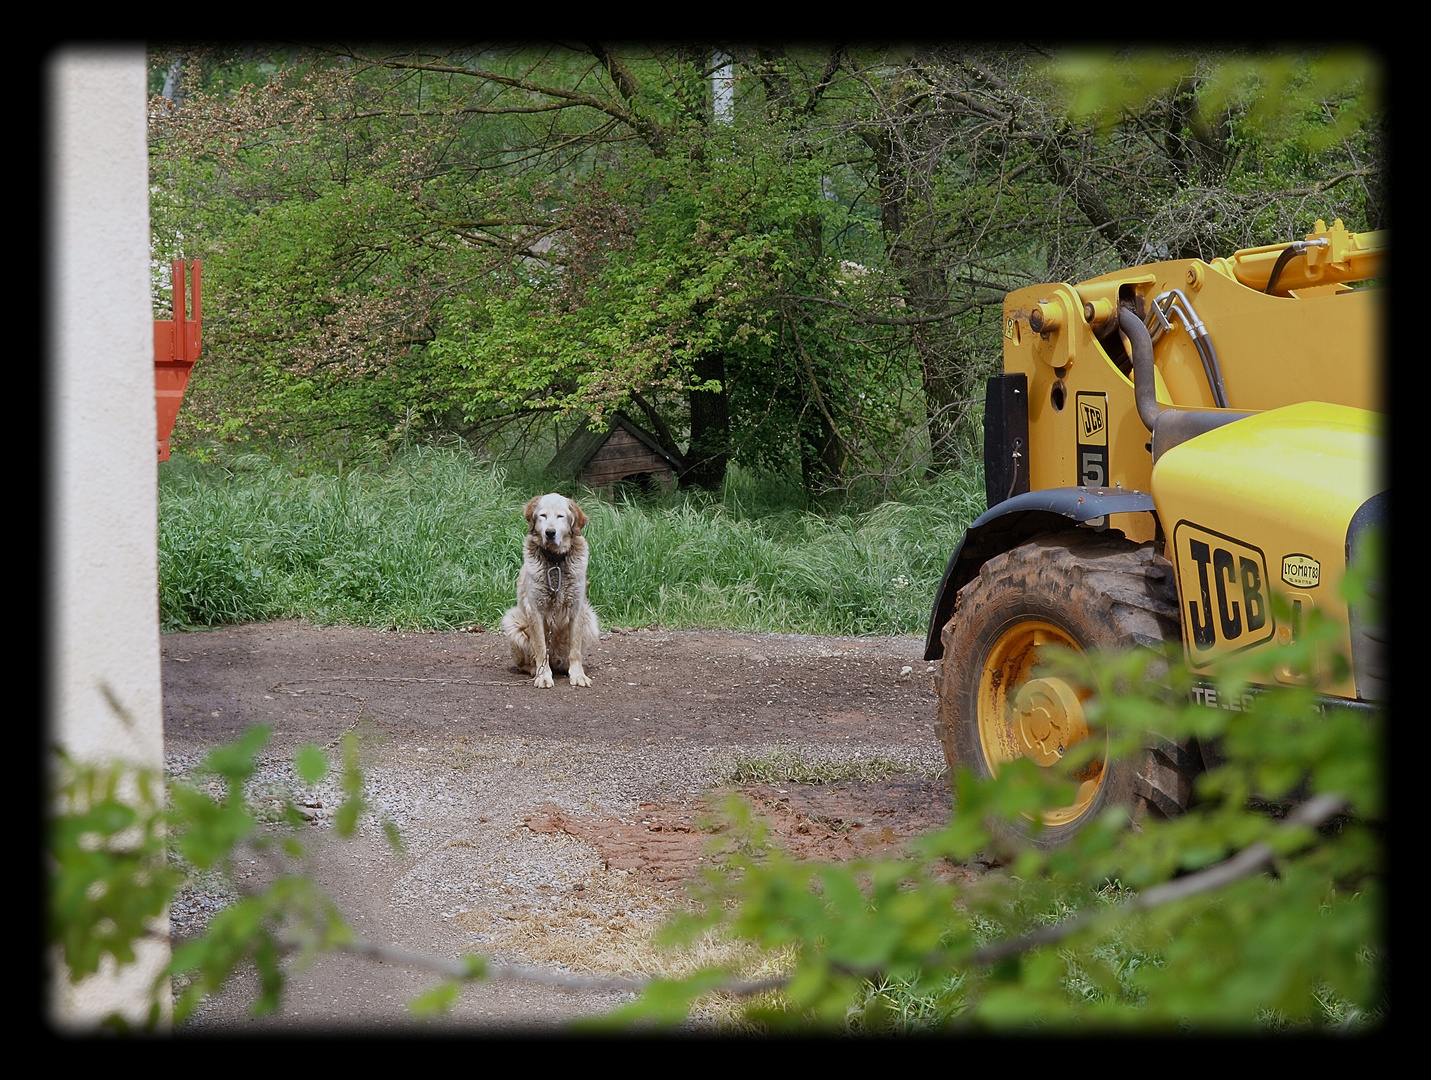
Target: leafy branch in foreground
x=1260 y=907
x=109 y=883
x=1227 y=916
x=111 y=879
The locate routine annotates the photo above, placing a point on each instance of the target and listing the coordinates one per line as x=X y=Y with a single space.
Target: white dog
x=552 y=625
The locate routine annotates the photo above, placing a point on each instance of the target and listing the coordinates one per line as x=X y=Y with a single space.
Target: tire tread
x=1126 y=587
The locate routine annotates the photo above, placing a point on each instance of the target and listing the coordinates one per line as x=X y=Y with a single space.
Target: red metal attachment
x=176 y=348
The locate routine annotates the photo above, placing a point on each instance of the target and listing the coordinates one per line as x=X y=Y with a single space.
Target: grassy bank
x=432 y=540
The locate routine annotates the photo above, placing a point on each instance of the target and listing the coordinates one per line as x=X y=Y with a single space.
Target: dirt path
x=543 y=827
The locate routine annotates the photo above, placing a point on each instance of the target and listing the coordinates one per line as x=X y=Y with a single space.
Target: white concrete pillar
x=101 y=471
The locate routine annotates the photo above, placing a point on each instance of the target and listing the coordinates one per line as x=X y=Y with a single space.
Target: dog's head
x=554 y=521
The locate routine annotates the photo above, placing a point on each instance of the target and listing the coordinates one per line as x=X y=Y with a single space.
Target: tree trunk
x=709 y=450
x=822 y=457
x=911 y=240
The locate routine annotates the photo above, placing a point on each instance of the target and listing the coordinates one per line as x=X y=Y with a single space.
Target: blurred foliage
x=120 y=845
x=1313 y=97
x=1110 y=930
x=109 y=881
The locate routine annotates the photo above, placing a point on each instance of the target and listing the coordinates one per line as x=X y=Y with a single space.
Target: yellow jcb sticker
x=1091 y=421
x=1223 y=584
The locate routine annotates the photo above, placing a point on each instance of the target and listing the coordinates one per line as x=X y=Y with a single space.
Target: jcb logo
x=1090 y=418
x=1224 y=588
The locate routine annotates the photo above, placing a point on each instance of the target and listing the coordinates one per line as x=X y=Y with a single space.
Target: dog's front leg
x=540 y=661
x=582 y=631
x=575 y=672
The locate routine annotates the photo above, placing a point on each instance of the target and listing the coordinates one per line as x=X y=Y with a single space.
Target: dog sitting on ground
x=552 y=625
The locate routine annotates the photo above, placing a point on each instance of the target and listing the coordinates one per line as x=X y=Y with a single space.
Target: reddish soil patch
x=668 y=845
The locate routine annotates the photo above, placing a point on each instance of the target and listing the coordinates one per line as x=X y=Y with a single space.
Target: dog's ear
x=530 y=510
x=578 y=517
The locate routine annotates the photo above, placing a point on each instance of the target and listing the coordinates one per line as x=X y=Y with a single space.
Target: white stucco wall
x=101 y=483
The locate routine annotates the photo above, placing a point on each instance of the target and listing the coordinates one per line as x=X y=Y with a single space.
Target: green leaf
x=311 y=763
x=394 y=836
x=235 y=761
x=437 y=1001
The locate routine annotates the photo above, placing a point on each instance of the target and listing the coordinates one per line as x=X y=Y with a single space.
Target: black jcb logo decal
x=1229 y=618
x=1223 y=585
x=1091 y=417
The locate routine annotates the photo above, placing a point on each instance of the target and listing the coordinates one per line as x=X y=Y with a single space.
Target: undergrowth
x=431 y=540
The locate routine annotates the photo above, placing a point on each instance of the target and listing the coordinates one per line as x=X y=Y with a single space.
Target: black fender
x=1370 y=638
x=1011 y=523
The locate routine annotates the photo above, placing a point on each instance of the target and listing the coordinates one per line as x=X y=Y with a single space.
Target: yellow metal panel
x=1053 y=397
x=1261 y=506
x=1277 y=350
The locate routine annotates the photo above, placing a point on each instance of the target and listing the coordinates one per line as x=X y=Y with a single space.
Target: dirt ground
x=552 y=829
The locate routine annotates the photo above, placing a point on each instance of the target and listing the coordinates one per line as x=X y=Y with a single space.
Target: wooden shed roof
x=574 y=454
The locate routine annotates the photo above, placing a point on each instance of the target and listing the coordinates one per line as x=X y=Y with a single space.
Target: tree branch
x=818 y=90
x=1314 y=812
x=882 y=320
x=626 y=85
x=456 y=969
x=815 y=390
x=650 y=133
x=663 y=432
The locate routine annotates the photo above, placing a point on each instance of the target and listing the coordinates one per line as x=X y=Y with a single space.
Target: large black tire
x=1077 y=588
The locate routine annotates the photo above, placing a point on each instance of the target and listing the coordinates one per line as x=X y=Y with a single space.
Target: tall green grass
x=432 y=540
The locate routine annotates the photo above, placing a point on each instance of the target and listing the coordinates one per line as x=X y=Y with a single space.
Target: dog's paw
x=578 y=677
x=544 y=677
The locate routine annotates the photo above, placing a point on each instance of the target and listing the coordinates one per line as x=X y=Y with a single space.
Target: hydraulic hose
x=1176 y=303
x=1213 y=370
x=1295 y=248
x=1141 y=350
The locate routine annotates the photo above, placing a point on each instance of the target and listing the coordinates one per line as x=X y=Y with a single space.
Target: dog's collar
x=556 y=557
x=555 y=561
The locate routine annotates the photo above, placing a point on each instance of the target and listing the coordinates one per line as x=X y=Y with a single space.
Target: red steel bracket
x=176 y=348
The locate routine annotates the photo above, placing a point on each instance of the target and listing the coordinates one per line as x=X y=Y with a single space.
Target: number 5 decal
x=1091 y=419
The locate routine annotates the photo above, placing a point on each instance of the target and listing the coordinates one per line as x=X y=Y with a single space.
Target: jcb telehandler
x=1169 y=448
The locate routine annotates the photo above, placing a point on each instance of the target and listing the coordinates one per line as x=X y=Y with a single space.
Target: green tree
x=473 y=239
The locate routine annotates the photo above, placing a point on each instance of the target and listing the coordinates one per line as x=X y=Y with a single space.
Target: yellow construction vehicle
x=1169 y=448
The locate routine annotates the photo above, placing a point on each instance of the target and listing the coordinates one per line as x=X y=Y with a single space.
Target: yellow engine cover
x=1259 y=508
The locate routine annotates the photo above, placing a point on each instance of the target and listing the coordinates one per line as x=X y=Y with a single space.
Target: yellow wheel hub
x=1040 y=719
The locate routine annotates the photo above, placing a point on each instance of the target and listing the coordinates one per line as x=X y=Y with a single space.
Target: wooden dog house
x=623 y=451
